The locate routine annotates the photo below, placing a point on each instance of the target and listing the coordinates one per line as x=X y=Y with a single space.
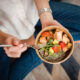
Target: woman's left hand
x=46 y=19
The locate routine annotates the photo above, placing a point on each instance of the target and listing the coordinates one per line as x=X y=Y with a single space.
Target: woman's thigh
x=4 y=65
x=68 y=15
x=22 y=66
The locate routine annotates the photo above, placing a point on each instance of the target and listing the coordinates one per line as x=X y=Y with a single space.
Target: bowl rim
x=67 y=32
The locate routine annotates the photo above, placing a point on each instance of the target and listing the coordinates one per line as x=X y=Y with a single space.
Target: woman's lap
x=66 y=15
x=22 y=66
x=4 y=65
x=19 y=68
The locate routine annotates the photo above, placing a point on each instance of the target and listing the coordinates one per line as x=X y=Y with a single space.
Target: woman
x=18 y=19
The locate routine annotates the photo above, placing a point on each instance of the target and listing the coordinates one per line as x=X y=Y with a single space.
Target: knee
x=34 y=55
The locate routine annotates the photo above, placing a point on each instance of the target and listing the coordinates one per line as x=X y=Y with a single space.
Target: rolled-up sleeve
x=19 y=17
x=2 y=20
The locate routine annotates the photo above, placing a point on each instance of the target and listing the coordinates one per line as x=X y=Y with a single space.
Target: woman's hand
x=47 y=20
x=16 y=50
x=30 y=41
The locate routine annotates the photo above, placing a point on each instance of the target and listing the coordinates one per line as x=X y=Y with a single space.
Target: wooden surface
x=40 y=73
x=79 y=75
x=76 y=53
x=77 y=2
x=59 y=73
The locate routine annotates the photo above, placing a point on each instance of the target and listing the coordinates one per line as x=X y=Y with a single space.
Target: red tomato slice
x=55 y=49
x=46 y=34
x=62 y=44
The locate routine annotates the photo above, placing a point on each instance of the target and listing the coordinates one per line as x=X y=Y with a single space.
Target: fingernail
x=21 y=45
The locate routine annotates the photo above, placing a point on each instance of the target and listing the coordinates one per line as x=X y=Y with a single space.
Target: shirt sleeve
x=2 y=19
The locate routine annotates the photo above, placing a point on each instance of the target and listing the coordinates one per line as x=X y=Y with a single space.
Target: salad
x=56 y=45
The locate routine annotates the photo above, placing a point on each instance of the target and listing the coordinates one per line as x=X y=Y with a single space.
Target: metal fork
x=32 y=46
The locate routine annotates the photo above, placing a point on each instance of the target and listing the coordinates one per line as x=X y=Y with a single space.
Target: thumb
x=43 y=26
x=16 y=41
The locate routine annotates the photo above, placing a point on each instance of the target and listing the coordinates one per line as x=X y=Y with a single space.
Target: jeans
x=68 y=15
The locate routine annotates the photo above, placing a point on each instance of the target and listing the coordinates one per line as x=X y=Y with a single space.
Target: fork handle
x=6 y=45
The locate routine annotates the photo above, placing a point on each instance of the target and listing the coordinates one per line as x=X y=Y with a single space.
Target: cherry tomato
x=55 y=48
x=62 y=44
x=46 y=34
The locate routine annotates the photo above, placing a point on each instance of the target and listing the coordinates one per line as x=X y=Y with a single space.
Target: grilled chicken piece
x=65 y=49
x=43 y=40
x=58 y=35
x=66 y=39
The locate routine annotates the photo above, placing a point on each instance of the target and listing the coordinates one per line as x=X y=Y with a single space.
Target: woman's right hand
x=16 y=50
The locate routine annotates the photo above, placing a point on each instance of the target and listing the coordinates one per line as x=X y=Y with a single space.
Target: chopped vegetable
x=65 y=49
x=55 y=48
x=69 y=45
x=54 y=55
x=46 y=53
x=46 y=34
x=62 y=44
x=50 y=41
x=59 y=49
x=51 y=51
x=55 y=42
x=42 y=50
x=43 y=40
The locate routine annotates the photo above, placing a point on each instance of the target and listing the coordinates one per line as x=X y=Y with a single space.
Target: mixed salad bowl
x=57 y=44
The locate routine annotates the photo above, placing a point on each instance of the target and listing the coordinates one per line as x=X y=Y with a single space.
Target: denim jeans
x=68 y=15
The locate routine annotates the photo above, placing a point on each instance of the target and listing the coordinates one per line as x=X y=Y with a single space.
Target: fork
x=32 y=46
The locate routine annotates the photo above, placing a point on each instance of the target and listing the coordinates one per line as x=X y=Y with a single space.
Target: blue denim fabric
x=4 y=65
x=68 y=15
x=22 y=66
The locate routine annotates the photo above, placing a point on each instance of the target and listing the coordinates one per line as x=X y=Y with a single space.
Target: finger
x=23 y=49
x=56 y=23
x=13 y=54
x=15 y=48
x=16 y=41
x=5 y=48
x=8 y=41
x=44 y=25
x=7 y=52
x=12 y=41
x=16 y=54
